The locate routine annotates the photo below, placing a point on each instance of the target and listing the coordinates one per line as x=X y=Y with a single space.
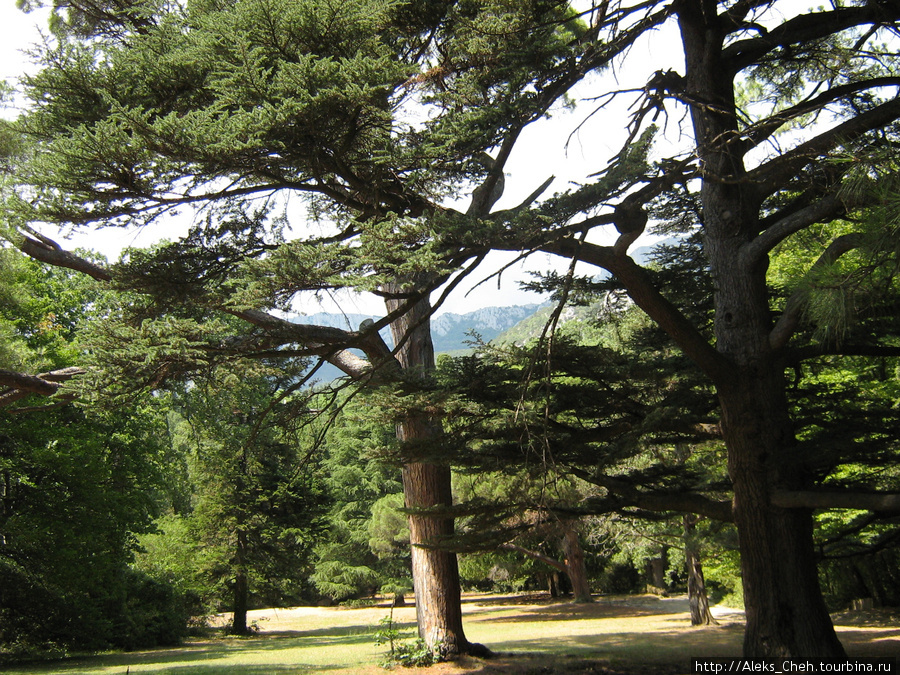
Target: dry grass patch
x=531 y=635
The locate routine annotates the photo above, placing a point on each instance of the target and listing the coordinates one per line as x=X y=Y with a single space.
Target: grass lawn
x=530 y=634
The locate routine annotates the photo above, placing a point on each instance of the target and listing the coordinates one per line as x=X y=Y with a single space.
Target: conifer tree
x=142 y=108
x=792 y=116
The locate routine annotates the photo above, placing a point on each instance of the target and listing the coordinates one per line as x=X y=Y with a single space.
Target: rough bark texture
x=575 y=566
x=656 y=568
x=697 y=597
x=786 y=615
x=425 y=485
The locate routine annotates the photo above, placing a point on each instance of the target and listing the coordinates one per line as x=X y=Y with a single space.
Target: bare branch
x=806 y=28
x=757 y=133
x=772 y=175
x=48 y=251
x=827 y=208
x=536 y=555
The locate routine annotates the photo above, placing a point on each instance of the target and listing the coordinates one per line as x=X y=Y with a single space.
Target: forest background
x=759 y=394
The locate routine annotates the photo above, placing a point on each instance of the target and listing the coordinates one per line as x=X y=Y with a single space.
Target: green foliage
x=415 y=654
x=365 y=550
x=257 y=501
x=77 y=485
x=40 y=312
x=77 y=490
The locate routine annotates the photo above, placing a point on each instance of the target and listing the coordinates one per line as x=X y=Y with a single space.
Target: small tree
x=349 y=563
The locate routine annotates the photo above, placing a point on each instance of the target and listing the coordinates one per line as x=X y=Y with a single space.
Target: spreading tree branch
x=21 y=385
x=645 y=294
x=806 y=28
x=622 y=495
x=789 y=320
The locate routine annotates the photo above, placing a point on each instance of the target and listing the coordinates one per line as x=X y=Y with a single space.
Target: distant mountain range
x=450 y=332
x=455 y=333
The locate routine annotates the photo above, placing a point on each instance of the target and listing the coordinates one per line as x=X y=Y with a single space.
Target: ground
x=530 y=635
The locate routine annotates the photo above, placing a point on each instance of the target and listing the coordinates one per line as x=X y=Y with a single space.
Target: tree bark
x=697 y=597
x=575 y=566
x=656 y=568
x=428 y=486
x=785 y=611
x=786 y=614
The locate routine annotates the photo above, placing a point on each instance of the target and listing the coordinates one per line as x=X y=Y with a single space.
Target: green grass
x=639 y=634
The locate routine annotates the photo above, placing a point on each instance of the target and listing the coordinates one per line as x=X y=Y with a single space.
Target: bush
x=408 y=654
x=151 y=614
x=127 y=611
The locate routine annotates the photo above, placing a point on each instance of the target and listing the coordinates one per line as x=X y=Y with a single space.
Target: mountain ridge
x=450 y=332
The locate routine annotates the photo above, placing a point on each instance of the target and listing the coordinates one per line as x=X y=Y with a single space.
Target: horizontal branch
x=762 y=130
x=622 y=494
x=333 y=344
x=772 y=176
x=884 y=502
x=536 y=555
x=48 y=251
x=806 y=28
x=20 y=385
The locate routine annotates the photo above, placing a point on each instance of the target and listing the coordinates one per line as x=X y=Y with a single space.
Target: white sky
x=542 y=153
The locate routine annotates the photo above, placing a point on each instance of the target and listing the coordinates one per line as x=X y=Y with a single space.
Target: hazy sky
x=549 y=150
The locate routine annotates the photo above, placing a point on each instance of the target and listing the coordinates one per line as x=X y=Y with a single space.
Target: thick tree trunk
x=427 y=486
x=785 y=611
x=697 y=597
x=435 y=571
x=656 y=569
x=786 y=615
x=575 y=566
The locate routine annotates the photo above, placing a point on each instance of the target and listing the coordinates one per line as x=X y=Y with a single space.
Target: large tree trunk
x=786 y=615
x=435 y=571
x=426 y=485
x=575 y=565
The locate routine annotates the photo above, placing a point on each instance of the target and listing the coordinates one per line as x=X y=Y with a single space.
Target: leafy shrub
x=401 y=653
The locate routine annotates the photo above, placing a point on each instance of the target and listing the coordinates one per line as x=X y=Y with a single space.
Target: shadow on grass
x=572 y=612
x=208 y=656
x=862 y=642
x=665 y=646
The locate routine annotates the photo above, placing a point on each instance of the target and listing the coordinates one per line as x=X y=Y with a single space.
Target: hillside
x=452 y=333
